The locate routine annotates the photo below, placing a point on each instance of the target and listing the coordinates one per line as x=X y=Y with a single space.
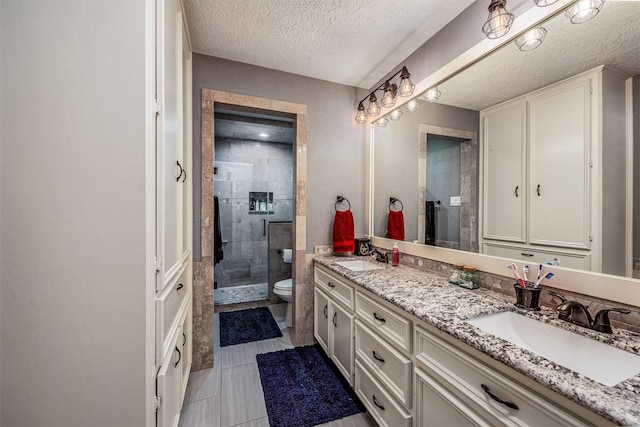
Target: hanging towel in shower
x=343 y=234
x=395 y=225
x=218 y=254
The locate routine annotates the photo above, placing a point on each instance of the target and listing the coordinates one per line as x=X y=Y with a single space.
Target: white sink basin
x=359 y=265
x=600 y=362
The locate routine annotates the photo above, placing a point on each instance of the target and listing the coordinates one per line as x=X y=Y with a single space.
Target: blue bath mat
x=303 y=388
x=254 y=324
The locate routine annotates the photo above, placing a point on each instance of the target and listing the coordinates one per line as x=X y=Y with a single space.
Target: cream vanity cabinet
x=549 y=157
x=173 y=297
x=383 y=360
x=457 y=385
x=334 y=319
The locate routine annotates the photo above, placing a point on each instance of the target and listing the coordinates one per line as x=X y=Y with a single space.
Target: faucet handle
x=601 y=322
x=555 y=294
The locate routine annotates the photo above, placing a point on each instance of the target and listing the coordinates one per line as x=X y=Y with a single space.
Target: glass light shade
x=389 y=97
x=531 y=39
x=583 y=10
x=406 y=86
x=361 y=117
x=374 y=107
x=499 y=22
x=412 y=106
x=382 y=122
x=432 y=95
x=395 y=114
x=543 y=3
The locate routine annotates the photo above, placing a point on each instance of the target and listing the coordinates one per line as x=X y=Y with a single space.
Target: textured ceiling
x=352 y=42
x=611 y=38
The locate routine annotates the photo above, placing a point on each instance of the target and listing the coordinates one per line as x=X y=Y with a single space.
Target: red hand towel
x=395 y=225
x=343 y=234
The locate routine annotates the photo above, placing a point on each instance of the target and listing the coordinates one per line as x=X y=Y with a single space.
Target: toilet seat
x=284 y=285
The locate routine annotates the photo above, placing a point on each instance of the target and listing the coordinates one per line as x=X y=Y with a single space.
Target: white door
x=321 y=319
x=504 y=139
x=559 y=159
x=342 y=340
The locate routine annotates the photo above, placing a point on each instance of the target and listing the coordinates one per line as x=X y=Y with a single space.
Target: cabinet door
x=437 y=406
x=170 y=384
x=504 y=142
x=169 y=136
x=559 y=184
x=341 y=341
x=321 y=319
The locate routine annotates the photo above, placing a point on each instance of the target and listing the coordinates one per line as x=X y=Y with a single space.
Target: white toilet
x=282 y=288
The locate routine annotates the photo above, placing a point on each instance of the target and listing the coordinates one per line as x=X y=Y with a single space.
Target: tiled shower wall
x=241 y=167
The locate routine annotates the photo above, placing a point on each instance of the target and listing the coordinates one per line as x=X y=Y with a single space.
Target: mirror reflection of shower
x=253 y=188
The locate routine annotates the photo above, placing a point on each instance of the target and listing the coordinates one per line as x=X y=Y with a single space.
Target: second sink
x=601 y=362
x=359 y=265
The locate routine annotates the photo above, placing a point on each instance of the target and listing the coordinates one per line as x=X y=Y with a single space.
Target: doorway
x=453 y=226
x=253 y=187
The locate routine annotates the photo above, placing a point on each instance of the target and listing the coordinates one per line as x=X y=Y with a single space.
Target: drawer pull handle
x=375 y=402
x=334 y=320
x=378 y=358
x=331 y=285
x=326 y=308
x=538 y=190
x=184 y=339
x=497 y=399
x=175 y=365
x=517 y=190
x=378 y=318
x=525 y=254
x=180 y=286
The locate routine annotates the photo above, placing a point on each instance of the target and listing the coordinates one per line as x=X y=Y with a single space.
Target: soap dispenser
x=395 y=255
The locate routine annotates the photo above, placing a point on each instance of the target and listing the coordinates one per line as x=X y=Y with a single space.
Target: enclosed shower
x=253 y=186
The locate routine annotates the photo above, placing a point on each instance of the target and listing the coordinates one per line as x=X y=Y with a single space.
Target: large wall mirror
x=432 y=159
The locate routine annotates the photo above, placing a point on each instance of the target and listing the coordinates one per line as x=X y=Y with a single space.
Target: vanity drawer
x=571 y=260
x=382 y=407
x=168 y=305
x=335 y=287
x=384 y=321
x=389 y=365
x=466 y=376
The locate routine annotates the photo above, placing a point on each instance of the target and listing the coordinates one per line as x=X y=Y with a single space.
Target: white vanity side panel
x=74 y=317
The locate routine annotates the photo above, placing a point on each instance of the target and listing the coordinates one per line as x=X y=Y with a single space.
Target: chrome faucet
x=576 y=313
x=380 y=256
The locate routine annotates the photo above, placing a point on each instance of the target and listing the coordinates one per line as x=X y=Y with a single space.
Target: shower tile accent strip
x=427 y=294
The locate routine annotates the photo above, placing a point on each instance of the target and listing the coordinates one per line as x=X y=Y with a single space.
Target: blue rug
x=302 y=387
x=254 y=324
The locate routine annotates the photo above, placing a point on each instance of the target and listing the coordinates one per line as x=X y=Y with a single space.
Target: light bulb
x=374 y=107
x=499 y=22
x=432 y=95
x=531 y=39
x=361 y=117
x=583 y=10
x=395 y=114
x=412 y=106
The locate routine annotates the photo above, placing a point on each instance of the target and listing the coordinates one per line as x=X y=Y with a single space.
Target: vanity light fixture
x=412 y=106
x=404 y=88
x=499 y=21
x=583 y=10
x=544 y=3
x=374 y=107
x=395 y=114
x=432 y=95
x=531 y=39
x=382 y=122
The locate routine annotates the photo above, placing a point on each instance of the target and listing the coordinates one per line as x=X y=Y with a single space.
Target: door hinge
x=156 y=402
x=157 y=107
x=590 y=90
x=590 y=238
x=158 y=265
x=590 y=164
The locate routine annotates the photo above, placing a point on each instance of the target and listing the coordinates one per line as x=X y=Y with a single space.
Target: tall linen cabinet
x=554 y=174
x=95 y=224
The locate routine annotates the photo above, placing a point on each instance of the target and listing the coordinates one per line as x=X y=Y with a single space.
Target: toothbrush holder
x=528 y=297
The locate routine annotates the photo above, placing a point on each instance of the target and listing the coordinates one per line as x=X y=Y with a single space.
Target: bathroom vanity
x=400 y=335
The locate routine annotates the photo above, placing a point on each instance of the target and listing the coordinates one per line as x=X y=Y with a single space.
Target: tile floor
x=230 y=393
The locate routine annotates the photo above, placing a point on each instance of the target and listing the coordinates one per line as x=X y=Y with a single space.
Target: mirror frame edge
x=618 y=289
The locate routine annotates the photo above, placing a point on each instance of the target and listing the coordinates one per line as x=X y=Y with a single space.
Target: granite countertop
x=432 y=298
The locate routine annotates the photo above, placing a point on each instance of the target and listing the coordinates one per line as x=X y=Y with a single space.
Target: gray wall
x=335 y=146
x=245 y=166
x=396 y=160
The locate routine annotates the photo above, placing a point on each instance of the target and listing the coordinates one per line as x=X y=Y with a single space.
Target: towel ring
x=393 y=200
x=341 y=199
